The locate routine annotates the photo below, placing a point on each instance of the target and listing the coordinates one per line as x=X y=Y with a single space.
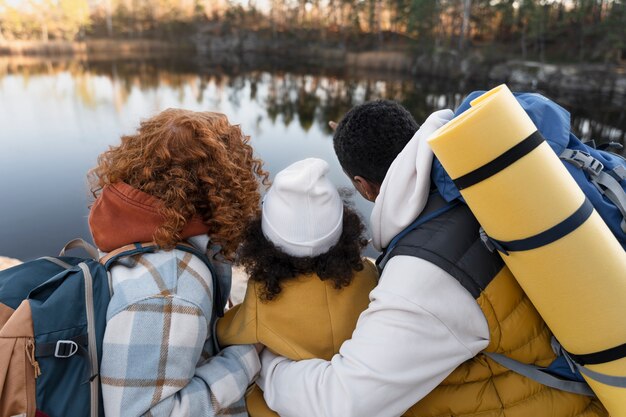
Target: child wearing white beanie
x=308 y=282
x=302 y=211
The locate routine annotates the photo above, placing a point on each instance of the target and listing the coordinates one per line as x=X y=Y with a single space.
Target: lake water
x=57 y=116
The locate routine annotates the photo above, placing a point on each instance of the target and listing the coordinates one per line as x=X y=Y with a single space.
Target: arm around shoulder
x=420 y=325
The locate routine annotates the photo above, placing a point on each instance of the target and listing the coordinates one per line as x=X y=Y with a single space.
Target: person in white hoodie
x=441 y=300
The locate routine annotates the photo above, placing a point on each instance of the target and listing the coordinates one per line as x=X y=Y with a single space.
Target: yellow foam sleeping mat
x=522 y=195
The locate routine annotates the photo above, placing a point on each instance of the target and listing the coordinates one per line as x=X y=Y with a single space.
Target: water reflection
x=57 y=116
x=302 y=97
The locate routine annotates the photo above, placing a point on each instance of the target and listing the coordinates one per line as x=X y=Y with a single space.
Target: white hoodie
x=420 y=324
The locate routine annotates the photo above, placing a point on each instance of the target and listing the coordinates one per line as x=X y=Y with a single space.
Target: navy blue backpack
x=52 y=322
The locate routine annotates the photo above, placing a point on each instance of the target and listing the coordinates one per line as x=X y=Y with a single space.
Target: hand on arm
x=420 y=325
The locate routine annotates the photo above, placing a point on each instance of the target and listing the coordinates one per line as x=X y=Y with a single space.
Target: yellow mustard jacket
x=308 y=319
x=480 y=387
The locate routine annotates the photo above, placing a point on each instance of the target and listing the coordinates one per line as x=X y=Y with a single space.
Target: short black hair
x=266 y=263
x=370 y=136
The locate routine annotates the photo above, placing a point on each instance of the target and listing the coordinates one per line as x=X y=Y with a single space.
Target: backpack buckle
x=586 y=162
x=491 y=244
x=486 y=240
x=595 y=167
x=65 y=349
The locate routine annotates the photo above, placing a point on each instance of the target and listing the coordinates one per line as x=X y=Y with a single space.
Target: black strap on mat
x=596 y=358
x=599 y=357
x=501 y=162
x=546 y=237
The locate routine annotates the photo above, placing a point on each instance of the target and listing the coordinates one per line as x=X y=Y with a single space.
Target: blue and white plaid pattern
x=158 y=352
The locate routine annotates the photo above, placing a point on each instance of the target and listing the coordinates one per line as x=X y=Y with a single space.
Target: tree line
x=568 y=29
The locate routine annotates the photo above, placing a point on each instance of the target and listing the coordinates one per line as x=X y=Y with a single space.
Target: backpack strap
x=540 y=375
x=608 y=355
x=129 y=250
x=57 y=261
x=611 y=380
x=576 y=362
x=608 y=183
x=65 y=348
x=613 y=190
x=434 y=209
x=150 y=247
x=80 y=244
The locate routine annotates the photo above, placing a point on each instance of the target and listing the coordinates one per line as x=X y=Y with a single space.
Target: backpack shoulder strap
x=608 y=183
x=150 y=247
x=435 y=207
x=539 y=375
x=128 y=250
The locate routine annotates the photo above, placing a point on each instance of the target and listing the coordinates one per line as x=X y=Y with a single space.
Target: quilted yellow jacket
x=308 y=319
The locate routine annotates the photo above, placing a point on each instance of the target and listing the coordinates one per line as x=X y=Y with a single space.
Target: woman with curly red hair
x=188 y=176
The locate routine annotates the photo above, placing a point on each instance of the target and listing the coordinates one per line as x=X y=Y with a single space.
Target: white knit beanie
x=302 y=211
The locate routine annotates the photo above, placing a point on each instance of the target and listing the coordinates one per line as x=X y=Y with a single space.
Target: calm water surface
x=56 y=117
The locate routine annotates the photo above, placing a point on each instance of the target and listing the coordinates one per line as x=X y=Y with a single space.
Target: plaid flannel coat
x=159 y=356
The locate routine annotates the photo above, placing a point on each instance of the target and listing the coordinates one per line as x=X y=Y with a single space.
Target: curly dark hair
x=264 y=262
x=370 y=136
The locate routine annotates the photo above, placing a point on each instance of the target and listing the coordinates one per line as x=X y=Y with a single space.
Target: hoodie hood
x=122 y=215
x=405 y=189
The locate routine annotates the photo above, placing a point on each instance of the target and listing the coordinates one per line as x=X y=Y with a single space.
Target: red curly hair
x=197 y=164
